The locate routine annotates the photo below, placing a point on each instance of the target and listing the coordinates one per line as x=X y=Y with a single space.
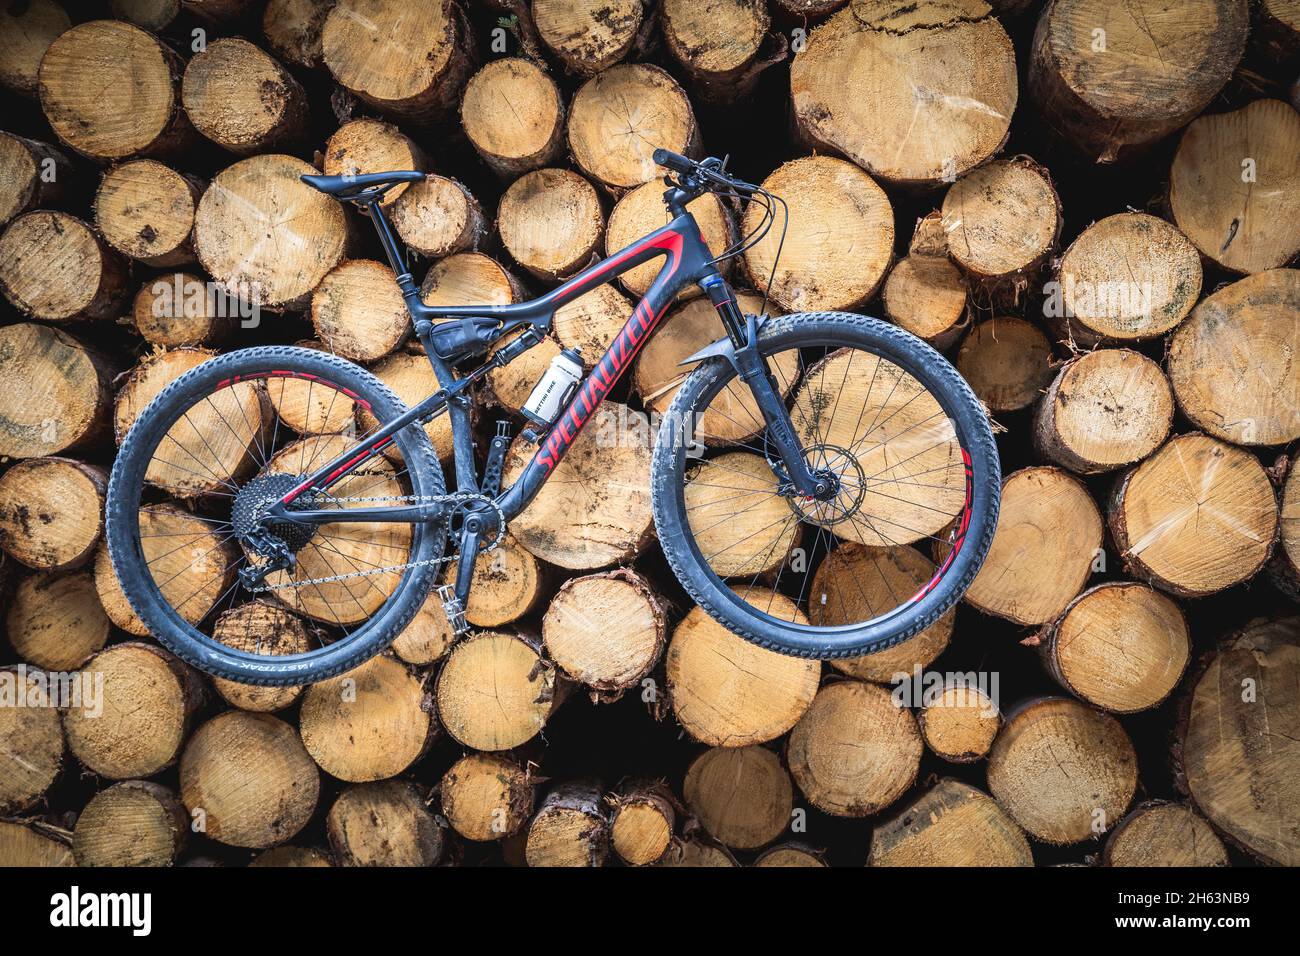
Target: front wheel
x=900 y=533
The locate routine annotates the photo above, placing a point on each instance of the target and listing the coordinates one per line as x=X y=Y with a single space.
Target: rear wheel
x=216 y=446
x=910 y=509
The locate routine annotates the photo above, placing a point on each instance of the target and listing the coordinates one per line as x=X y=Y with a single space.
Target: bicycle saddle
x=350 y=186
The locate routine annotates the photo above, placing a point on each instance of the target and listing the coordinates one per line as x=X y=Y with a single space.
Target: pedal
x=496 y=459
x=453 y=608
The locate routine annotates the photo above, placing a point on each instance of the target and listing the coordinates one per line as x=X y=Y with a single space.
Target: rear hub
x=248 y=516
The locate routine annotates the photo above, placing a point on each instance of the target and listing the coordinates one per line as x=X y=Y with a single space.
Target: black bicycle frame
x=687 y=259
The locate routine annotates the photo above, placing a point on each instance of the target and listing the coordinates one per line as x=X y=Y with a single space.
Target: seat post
x=387 y=240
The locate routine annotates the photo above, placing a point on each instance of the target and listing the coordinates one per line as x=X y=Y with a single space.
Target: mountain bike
x=823 y=484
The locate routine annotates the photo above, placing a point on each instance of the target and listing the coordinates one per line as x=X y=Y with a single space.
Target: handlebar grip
x=674 y=161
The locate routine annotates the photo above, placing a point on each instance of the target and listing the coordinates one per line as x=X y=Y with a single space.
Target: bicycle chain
x=456 y=498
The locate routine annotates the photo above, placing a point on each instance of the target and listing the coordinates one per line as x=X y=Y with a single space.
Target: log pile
x=1092 y=209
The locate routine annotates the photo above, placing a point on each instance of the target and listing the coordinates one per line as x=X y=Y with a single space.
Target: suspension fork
x=752 y=368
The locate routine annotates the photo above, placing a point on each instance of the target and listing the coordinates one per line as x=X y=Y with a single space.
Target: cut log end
x=834 y=205
x=570 y=829
x=1121 y=646
x=509 y=669
x=741 y=795
x=1236 y=744
x=1196 y=517
x=1048 y=539
x=854 y=89
x=952 y=824
x=1158 y=833
x=1007 y=361
x=1063 y=771
x=1104 y=410
x=487 y=797
x=858 y=780
x=383 y=824
x=368 y=724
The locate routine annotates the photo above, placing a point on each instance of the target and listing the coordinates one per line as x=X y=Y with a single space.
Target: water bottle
x=550 y=394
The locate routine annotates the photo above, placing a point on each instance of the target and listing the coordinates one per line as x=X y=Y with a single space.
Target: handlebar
x=674 y=161
x=703 y=174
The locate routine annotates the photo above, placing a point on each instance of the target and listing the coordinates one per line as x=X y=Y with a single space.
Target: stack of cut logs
x=1092 y=209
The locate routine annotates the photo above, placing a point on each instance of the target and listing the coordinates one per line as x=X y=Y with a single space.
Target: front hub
x=842 y=485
